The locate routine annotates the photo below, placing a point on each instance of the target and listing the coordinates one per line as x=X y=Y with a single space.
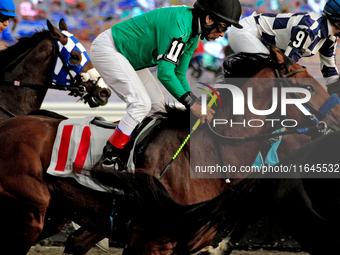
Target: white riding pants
x=138 y=89
x=248 y=38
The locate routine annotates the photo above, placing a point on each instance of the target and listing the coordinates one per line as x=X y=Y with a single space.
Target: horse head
x=324 y=109
x=280 y=94
x=74 y=68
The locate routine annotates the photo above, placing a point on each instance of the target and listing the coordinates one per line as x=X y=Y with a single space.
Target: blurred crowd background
x=87 y=18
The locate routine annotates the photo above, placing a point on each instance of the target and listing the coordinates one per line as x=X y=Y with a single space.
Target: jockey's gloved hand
x=196 y=109
x=190 y=101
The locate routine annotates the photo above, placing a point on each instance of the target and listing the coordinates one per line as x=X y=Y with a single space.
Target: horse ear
x=62 y=25
x=56 y=34
x=276 y=55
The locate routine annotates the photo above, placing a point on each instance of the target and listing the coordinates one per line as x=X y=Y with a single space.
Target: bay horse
x=27 y=68
x=205 y=149
x=288 y=145
x=133 y=204
x=304 y=201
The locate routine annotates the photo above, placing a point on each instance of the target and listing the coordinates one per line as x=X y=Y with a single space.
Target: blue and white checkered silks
x=279 y=29
x=60 y=76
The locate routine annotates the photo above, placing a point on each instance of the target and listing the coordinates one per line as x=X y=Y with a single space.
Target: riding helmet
x=228 y=11
x=332 y=10
x=7 y=8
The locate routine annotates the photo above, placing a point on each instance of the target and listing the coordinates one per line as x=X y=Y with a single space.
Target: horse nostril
x=105 y=93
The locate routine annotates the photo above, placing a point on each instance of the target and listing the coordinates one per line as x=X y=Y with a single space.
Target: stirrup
x=113 y=163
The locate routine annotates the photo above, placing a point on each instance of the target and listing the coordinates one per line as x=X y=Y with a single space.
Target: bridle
x=75 y=88
x=319 y=126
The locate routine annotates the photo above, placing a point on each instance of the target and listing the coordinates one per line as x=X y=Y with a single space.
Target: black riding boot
x=112 y=157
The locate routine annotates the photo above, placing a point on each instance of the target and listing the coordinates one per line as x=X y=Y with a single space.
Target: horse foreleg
x=227 y=245
x=52 y=226
x=80 y=242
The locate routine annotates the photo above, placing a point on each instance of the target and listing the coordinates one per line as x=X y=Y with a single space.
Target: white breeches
x=138 y=89
x=246 y=39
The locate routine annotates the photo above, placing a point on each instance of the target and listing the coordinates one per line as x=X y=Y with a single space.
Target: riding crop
x=212 y=100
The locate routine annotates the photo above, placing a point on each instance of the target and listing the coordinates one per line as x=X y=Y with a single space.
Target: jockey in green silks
x=166 y=37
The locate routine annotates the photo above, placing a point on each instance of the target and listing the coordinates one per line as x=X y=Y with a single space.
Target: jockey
x=297 y=34
x=7 y=11
x=166 y=37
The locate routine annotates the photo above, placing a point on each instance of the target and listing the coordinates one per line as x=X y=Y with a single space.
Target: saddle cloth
x=79 y=145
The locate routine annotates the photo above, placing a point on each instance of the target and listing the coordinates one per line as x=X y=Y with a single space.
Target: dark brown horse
x=304 y=201
x=27 y=68
x=32 y=202
x=288 y=145
x=205 y=149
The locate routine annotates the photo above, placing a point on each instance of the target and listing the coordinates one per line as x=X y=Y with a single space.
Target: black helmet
x=226 y=10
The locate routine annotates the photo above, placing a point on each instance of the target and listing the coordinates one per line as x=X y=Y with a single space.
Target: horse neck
x=20 y=101
x=240 y=153
x=35 y=68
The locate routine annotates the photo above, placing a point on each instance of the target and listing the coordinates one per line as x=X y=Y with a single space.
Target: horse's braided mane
x=23 y=44
x=245 y=65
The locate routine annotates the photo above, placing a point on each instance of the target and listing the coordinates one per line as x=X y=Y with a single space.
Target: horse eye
x=75 y=57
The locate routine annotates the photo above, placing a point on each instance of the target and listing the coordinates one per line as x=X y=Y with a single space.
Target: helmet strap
x=337 y=24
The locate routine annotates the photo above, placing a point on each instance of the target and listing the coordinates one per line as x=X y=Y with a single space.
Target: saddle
x=79 y=144
x=133 y=151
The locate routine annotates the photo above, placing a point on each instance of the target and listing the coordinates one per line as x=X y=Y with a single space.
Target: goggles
x=222 y=27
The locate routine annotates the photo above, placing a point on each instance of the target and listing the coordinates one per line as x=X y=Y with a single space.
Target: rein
x=37 y=86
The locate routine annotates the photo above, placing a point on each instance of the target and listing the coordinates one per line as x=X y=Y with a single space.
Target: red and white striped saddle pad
x=78 y=145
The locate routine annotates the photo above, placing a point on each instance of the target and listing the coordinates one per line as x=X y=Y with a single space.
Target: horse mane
x=244 y=65
x=175 y=117
x=23 y=44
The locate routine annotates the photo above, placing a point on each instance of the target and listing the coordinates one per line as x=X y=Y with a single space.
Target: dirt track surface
x=41 y=250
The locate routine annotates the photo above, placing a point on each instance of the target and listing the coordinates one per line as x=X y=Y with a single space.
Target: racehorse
x=304 y=201
x=207 y=150
x=133 y=204
x=288 y=145
x=27 y=68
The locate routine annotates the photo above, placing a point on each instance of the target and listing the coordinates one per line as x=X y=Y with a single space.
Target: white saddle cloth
x=78 y=146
